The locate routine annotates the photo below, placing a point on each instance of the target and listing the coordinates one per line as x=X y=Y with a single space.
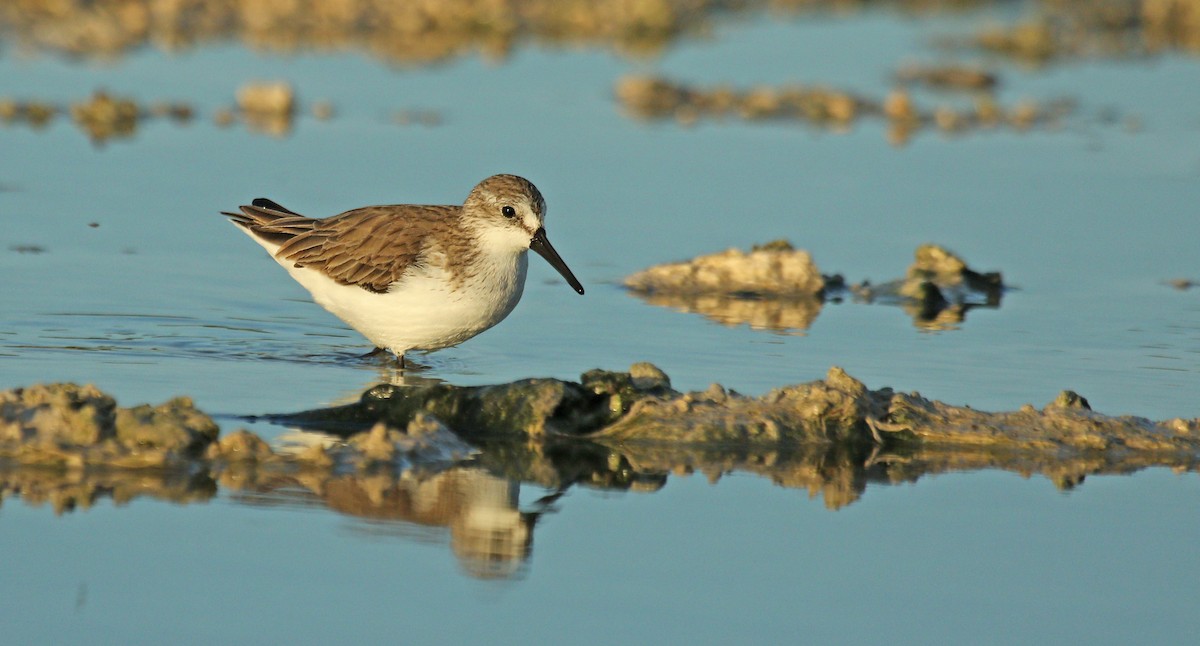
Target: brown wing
x=371 y=247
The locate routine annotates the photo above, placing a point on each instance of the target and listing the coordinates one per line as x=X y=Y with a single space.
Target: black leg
x=373 y=353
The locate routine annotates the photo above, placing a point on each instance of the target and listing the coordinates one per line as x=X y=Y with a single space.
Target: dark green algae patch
x=778 y=287
x=640 y=406
x=604 y=406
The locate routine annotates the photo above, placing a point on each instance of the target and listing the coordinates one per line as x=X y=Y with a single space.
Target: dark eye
x=509 y=212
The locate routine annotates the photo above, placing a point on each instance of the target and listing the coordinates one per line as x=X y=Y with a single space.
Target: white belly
x=421 y=312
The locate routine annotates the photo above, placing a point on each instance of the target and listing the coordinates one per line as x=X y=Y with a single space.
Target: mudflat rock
x=610 y=429
x=640 y=406
x=655 y=98
x=777 y=287
x=775 y=269
x=75 y=425
x=58 y=414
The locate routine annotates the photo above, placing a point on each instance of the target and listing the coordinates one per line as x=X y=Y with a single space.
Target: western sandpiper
x=414 y=277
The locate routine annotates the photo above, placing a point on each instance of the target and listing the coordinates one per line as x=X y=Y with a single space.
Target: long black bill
x=541 y=245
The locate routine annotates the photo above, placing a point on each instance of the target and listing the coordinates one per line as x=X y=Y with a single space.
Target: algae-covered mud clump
x=267 y=107
x=773 y=287
x=101 y=116
x=967 y=78
x=773 y=269
x=74 y=425
x=635 y=406
x=631 y=430
x=779 y=288
x=409 y=32
x=641 y=407
x=425 y=31
x=1081 y=29
x=938 y=289
x=615 y=430
x=648 y=98
x=451 y=459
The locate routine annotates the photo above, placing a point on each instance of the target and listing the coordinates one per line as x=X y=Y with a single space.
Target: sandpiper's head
x=508 y=203
x=509 y=212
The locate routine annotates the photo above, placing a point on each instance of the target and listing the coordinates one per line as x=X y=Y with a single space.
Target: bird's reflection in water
x=488 y=532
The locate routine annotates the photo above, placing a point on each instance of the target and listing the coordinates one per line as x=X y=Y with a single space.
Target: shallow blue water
x=164 y=297
x=983 y=558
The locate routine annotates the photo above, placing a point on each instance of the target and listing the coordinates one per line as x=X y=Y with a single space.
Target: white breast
x=422 y=311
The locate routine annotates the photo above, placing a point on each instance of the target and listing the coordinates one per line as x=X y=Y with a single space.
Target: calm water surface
x=164 y=298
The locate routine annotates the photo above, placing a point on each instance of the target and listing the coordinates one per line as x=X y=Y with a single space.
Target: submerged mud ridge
x=779 y=288
x=631 y=430
x=937 y=290
x=263 y=107
x=70 y=425
x=421 y=32
x=424 y=31
x=620 y=430
x=654 y=98
x=101 y=116
x=640 y=406
x=1060 y=30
